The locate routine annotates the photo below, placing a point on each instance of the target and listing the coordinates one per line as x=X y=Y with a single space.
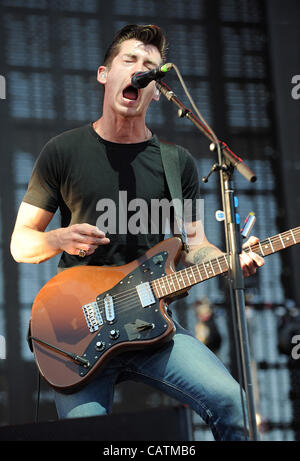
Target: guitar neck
x=186 y=278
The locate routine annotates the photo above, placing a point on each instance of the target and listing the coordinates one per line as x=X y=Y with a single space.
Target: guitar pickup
x=109 y=308
x=145 y=294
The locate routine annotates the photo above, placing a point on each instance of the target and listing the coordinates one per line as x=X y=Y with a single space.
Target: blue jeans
x=183 y=368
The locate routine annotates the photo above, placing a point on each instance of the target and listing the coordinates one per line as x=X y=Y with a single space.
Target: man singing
x=76 y=169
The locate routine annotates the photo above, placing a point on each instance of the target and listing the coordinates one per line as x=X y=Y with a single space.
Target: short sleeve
x=44 y=185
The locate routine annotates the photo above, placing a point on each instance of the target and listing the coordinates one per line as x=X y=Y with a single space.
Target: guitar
x=85 y=315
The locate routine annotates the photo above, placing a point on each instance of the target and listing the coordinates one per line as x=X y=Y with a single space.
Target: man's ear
x=102 y=74
x=156 y=94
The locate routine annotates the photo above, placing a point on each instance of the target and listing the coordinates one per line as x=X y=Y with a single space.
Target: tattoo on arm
x=206 y=253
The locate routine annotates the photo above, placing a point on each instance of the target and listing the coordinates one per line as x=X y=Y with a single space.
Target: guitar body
x=98 y=312
x=87 y=314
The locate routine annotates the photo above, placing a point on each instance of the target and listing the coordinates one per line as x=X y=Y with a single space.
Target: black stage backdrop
x=240 y=61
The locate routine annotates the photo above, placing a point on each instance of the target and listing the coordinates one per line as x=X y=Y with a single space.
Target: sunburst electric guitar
x=85 y=315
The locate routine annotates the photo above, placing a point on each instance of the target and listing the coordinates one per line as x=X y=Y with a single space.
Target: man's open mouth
x=130 y=93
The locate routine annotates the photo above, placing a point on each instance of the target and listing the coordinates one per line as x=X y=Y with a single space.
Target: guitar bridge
x=92 y=316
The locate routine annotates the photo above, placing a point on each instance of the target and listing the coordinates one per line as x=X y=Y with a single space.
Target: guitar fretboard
x=185 y=278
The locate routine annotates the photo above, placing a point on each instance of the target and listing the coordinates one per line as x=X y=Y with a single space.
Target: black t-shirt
x=89 y=178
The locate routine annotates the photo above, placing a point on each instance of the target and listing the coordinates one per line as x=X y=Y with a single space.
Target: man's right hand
x=80 y=237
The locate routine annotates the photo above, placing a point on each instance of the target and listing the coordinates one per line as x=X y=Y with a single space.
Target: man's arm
x=202 y=250
x=31 y=244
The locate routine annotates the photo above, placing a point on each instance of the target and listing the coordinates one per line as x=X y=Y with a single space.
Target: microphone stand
x=227 y=162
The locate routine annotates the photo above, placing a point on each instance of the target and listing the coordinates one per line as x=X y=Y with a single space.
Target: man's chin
x=129 y=110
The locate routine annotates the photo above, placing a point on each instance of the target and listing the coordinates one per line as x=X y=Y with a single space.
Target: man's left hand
x=250 y=261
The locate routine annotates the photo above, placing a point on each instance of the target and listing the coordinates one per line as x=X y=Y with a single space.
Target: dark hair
x=148 y=34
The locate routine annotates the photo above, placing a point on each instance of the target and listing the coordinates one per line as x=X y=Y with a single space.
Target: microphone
x=142 y=79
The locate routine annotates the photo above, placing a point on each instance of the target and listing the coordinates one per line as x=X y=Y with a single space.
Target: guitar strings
x=204 y=276
x=131 y=293
x=161 y=283
x=134 y=296
x=214 y=262
x=174 y=277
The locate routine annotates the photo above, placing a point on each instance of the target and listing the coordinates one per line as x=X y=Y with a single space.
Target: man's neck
x=122 y=130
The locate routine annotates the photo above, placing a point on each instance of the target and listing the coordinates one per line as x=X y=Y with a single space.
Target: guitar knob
x=100 y=345
x=114 y=334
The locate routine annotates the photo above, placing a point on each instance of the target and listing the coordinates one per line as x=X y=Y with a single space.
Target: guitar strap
x=171 y=165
